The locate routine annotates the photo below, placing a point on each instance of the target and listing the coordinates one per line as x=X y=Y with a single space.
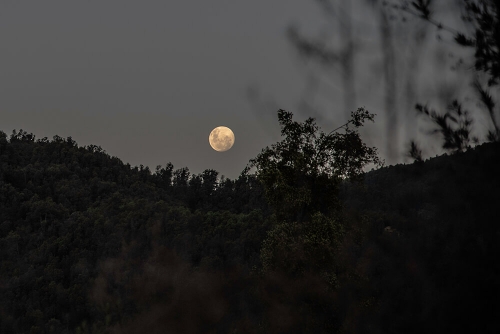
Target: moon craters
x=221 y=138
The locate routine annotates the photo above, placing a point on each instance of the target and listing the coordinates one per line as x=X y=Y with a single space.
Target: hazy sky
x=148 y=80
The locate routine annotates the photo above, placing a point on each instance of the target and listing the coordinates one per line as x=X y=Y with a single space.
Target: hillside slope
x=431 y=241
x=90 y=244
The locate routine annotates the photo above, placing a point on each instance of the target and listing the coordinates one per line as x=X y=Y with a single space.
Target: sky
x=149 y=80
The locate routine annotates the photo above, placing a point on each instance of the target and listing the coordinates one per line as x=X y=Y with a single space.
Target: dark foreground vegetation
x=91 y=245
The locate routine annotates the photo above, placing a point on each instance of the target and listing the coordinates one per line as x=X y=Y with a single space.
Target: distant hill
x=438 y=261
x=447 y=184
x=90 y=244
x=64 y=209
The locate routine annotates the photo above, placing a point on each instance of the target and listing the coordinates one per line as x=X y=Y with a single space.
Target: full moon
x=221 y=138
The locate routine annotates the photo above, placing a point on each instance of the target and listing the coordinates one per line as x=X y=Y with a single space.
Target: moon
x=221 y=138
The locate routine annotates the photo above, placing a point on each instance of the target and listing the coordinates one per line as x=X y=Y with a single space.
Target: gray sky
x=148 y=80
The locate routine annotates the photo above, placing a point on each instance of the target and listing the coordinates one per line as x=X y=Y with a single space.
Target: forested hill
x=437 y=257
x=460 y=180
x=90 y=244
x=64 y=208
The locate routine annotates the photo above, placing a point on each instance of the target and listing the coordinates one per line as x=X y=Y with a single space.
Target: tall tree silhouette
x=301 y=173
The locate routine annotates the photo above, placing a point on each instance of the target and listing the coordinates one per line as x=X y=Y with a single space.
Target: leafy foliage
x=301 y=173
x=299 y=248
x=483 y=16
x=454 y=126
x=415 y=152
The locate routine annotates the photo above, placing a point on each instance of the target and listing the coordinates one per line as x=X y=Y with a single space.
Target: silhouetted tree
x=165 y=175
x=301 y=173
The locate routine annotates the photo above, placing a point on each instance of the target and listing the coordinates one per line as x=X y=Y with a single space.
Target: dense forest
x=92 y=245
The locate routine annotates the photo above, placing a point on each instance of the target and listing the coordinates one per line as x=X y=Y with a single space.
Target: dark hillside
x=89 y=244
x=463 y=188
x=435 y=229
x=64 y=209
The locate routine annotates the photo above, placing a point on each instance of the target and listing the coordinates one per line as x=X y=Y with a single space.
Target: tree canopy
x=301 y=173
